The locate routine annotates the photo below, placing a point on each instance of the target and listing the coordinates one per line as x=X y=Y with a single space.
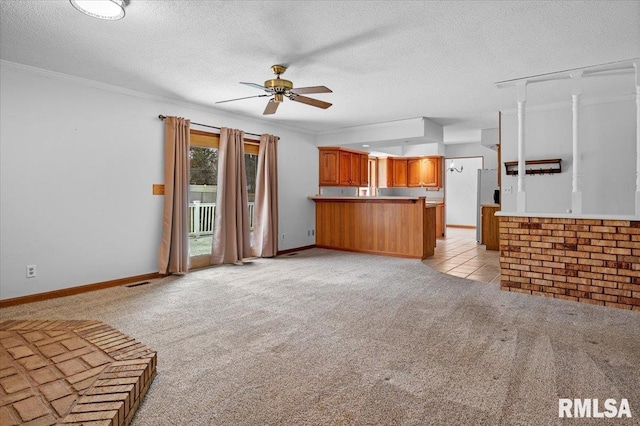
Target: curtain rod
x=162 y=117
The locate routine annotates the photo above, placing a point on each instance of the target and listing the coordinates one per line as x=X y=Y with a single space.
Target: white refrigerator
x=487 y=184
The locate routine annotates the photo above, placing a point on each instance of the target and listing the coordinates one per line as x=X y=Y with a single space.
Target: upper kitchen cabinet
x=414 y=172
x=329 y=167
x=343 y=167
x=424 y=172
x=397 y=174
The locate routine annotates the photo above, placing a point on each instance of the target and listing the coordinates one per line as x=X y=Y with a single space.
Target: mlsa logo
x=591 y=408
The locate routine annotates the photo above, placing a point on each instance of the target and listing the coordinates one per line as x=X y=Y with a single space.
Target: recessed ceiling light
x=101 y=9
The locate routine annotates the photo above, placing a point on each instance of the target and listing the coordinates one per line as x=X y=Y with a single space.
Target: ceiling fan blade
x=257 y=86
x=310 y=101
x=312 y=89
x=239 y=99
x=271 y=108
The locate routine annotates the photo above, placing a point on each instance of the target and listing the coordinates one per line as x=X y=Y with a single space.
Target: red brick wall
x=585 y=260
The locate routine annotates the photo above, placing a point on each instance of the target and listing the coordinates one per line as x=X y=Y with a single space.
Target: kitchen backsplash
x=337 y=191
x=410 y=192
x=348 y=191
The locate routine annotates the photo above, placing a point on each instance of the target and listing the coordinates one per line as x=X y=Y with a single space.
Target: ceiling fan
x=280 y=88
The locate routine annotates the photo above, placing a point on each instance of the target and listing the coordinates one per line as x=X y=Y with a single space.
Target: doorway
x=203 y=170
x=461 y=183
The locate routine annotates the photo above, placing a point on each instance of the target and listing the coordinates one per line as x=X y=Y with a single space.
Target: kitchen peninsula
x=391 y=226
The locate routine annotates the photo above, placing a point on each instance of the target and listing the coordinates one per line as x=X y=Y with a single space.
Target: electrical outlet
x=282 y=236
x=313 y=232
x=31 y=271
x=507 y=190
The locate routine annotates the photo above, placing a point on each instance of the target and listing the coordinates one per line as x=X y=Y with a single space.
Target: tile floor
x=459 y=254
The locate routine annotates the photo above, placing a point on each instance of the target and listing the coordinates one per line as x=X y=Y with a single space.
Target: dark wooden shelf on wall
x=535 y=167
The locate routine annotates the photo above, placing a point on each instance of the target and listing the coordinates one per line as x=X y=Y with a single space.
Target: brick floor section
x=71 y=372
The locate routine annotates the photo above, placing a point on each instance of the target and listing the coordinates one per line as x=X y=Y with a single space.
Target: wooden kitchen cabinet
x=490 y=226
x=346 y=164
x=329 y=167
x=364 y=169
x=397 y=175
x=359 y=169
x=414 y=172
x=343 y=167
x=440 y=220
x=424 y=172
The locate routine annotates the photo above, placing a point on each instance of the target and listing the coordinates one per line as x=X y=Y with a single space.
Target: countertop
x=367 y=198
x=363 y=198
x=571 y=216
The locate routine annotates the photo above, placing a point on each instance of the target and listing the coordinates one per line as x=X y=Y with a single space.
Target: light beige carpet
x=333 y=338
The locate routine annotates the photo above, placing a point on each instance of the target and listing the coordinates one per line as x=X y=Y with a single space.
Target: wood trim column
x=522 y=101
x=576 y=94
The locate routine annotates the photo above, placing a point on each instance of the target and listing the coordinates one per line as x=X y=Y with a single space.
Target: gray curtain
x=230 y=242
x=265 y=213
x=173 y=256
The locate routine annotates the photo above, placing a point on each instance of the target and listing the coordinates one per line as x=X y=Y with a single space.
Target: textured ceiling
x=384 y=61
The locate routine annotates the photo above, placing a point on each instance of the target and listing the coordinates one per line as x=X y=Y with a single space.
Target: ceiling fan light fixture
x=278 y=97
x=278 y=84
x=102 y=9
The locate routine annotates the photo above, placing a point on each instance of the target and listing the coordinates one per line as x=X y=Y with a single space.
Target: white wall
x=607 y=140
x=462 y=192
x=460 y=150
x=380 y=134
x=608 y=145
x=490 y=137
x=423 y=149
x=78 y=162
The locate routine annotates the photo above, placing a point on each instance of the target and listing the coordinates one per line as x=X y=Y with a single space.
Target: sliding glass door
x=203 y=157
x=202 y=202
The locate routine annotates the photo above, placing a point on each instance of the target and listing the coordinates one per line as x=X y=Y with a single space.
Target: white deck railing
x=201 y=218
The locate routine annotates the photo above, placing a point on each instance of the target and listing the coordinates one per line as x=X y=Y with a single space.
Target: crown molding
x=144 y=95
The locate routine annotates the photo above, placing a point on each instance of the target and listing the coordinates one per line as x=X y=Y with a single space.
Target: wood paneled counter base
x=391 y=226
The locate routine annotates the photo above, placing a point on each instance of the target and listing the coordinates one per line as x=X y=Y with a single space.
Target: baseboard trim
x=287 y=251
x=39 y=297
x=376 y=252
x=461 y=226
